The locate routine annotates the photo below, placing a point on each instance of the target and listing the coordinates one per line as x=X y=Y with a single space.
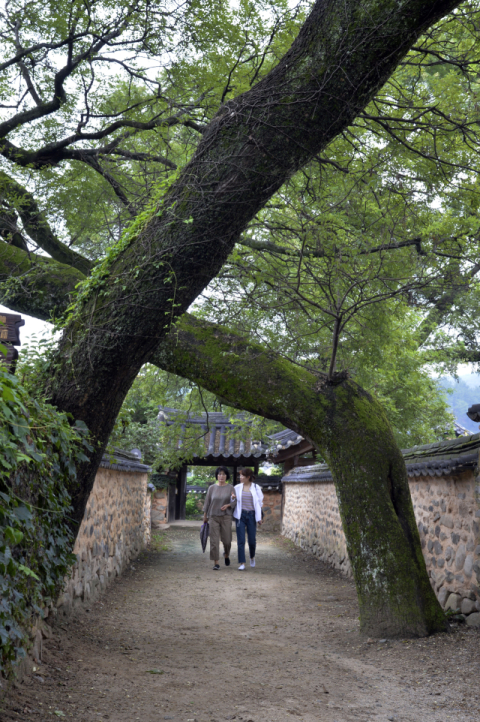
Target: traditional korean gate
x=223 y=444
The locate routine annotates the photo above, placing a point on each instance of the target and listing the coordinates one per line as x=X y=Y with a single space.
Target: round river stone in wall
x=447 y=521
x=468 y=567
x=467 y=606
x=453 y=602
x=442 y=596
x=460 y=556
x=473 y=620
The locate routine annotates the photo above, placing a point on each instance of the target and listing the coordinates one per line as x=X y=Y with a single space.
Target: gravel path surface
x=173 y=640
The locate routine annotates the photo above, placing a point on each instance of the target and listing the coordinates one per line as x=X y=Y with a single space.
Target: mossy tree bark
x=36 y=285
x=341 y=57
x=350 y=429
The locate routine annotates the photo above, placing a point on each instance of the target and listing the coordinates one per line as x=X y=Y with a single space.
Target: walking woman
x=248 y=512
x=217 y=510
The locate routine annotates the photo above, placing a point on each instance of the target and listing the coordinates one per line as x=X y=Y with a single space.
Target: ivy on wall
x=161 y=481
x=38 y=453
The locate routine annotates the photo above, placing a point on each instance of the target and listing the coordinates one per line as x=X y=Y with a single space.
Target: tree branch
x=41 y=46
x=37 y=226
x=54 y=153
x=116 y=186
x=38 y=286
x=59 y=95
x=270 y=247
x=141 y=156
x=8 y=227
x=24 y=71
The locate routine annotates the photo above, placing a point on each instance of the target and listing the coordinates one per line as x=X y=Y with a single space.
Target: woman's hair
x=224 y=469
x=247 y=472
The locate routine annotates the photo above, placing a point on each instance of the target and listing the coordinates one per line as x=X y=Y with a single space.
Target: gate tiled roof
x=223 y=440
x=284 y=440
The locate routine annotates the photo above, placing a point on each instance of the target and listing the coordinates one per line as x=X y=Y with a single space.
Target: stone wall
x=312 y=520
x=115 y=528
x=147 y=519
x=272 y=510
x=447 y=510
x=159 y=515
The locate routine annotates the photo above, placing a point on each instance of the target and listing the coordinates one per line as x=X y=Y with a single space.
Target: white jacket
x=257 y=495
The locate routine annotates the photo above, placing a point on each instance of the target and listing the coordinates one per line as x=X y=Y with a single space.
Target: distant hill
x=464 y=393
x=472 y=380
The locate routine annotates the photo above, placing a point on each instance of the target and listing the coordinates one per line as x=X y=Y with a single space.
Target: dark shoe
x=227 y=561
x=216 y=567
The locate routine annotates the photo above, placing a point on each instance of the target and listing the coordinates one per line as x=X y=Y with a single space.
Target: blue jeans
x=246 y=520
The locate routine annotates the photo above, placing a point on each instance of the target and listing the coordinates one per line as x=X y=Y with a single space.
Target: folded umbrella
x=204 y=532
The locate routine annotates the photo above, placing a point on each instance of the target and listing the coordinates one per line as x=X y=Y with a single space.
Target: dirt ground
x=173 y=640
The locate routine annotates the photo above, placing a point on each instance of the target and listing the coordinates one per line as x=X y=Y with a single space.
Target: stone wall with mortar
x=147 y=518
x=272 y=510
x=115 y=528
x=159 y=514
x=447 y=510
x=312 y=520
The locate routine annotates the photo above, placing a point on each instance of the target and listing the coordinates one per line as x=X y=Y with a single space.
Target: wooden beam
x=303 y=462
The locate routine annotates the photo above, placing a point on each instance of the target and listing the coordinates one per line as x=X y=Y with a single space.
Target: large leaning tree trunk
x=350 y=429
x=341 y=57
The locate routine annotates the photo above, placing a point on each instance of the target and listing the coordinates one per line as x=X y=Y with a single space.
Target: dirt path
x=270 y=644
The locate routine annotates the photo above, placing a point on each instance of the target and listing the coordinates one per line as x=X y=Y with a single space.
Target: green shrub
x=191 y=508
x=38 y=454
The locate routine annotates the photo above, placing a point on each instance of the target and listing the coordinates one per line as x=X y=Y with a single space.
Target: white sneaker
x=252 y=562
x=241 y=567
